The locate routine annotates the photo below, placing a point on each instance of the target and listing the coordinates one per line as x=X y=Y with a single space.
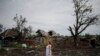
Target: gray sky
x=54 y=15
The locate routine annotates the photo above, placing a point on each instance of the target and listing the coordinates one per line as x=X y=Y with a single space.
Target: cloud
x=54 y=15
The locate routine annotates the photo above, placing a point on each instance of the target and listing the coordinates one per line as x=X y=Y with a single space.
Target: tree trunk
x=75 y=41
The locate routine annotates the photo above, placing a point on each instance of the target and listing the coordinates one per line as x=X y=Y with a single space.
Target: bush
x=18 y=45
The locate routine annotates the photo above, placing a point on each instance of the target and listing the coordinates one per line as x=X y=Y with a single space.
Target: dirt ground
x=66 y=52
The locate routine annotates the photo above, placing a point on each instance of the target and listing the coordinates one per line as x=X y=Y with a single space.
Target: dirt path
x=67 y=52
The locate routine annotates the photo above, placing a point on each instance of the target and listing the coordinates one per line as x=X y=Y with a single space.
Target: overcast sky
x=54 y=15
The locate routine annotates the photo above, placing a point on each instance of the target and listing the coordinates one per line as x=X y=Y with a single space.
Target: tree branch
x=70 y=29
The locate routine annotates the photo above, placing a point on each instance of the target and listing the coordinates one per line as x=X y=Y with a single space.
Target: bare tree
x=84 y=18
x=30 y=30
x=27 y=31
x=20 y=22
x=1 y=27
x=40 y=32
x=51 y=32
x=20 y=25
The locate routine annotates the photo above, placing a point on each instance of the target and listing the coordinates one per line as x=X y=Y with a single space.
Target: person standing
x=48 y=49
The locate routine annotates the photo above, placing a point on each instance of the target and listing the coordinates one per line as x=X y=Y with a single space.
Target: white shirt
x=48 y=50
